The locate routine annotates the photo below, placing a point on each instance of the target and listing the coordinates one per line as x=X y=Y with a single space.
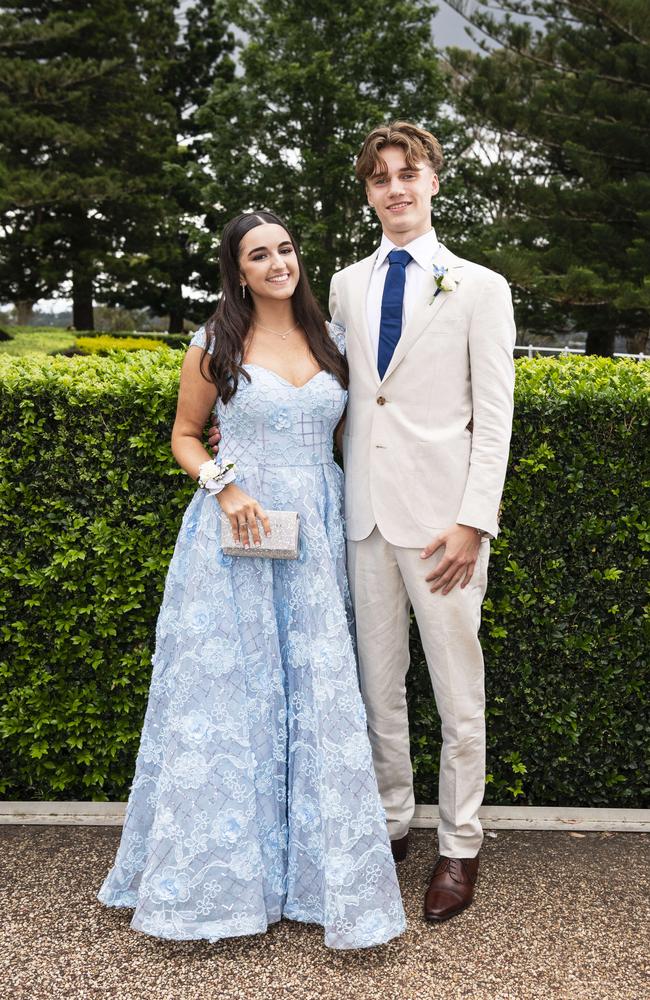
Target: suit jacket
x=427 y=445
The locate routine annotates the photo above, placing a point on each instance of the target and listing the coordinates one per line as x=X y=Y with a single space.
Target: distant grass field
x=46 y=339
x=36 y=340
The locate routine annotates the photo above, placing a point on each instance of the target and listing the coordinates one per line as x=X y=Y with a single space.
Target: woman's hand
x=243 y=512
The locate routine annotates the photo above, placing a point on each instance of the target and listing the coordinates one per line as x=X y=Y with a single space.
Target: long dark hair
x=228 y=327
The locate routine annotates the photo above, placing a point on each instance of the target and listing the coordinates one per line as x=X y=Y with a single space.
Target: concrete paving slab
x=558 y=916
x=76 y=813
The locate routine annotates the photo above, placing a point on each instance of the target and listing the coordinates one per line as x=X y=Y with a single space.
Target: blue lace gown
x=254 y=796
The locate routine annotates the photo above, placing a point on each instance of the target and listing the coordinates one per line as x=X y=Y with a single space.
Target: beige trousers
x=386 y=581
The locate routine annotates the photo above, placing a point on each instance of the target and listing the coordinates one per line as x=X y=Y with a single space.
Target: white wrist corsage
x=214 y=477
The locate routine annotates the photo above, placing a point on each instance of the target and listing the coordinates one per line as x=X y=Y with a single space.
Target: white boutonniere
x=444 y=281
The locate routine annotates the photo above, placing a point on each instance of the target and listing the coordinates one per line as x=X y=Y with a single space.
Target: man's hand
x=461 y=545
x=214 y=435
x=338 y=433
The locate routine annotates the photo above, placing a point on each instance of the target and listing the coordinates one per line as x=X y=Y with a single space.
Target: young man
x=429 y=341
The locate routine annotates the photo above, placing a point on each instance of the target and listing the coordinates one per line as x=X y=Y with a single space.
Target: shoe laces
x=456 y=868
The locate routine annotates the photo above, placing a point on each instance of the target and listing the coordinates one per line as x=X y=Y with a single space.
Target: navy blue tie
x=390 y=327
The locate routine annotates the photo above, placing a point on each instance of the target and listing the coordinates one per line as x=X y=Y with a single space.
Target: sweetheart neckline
x=251 y=364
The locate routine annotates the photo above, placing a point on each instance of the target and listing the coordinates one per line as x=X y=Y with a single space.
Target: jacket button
x=380 y=400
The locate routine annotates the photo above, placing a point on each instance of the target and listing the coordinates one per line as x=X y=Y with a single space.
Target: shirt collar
x=422 y=249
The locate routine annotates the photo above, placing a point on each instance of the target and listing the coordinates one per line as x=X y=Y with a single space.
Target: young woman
x=254 y=796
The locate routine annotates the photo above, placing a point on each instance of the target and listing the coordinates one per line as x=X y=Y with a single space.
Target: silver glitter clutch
x=282 y=543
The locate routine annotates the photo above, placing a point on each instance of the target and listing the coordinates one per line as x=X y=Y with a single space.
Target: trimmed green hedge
x=90 y=503
x=174 y=340
x=106 y=342
x=565 y=629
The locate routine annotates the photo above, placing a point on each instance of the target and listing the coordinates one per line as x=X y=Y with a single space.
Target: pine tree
x=569 y=99
x=84 y=129
x=315 y=76
x=177 y=270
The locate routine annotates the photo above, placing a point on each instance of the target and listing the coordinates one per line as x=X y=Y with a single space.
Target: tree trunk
x=600 y=342
x=177 y=272
x=176 y=317
x=24 y=311
x=176 y=308
x=82 y=299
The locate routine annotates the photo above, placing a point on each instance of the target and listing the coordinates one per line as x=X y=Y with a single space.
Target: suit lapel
x=427 y=309
x=359 y=326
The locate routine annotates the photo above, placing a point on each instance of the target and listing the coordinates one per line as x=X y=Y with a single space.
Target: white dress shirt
x=422 y=250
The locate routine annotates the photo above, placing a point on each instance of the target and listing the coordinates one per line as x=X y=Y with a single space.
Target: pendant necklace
x=282 y=336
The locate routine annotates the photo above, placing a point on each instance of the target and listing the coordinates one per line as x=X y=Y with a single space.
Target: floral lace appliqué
x=254 y=796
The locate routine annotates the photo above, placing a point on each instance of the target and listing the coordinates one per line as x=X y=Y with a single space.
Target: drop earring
x=243 y=291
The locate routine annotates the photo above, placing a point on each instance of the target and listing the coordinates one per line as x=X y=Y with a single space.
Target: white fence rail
x=530 y=350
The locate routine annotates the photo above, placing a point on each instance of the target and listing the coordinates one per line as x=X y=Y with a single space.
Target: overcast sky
x=448 y=26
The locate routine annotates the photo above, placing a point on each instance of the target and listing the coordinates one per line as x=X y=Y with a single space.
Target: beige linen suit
x=425 y=447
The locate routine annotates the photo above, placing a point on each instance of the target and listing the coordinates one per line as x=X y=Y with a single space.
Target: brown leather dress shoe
x=451 y=889
x=400 y=847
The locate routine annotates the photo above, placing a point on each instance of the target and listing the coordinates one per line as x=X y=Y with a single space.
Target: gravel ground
x=557 y=915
